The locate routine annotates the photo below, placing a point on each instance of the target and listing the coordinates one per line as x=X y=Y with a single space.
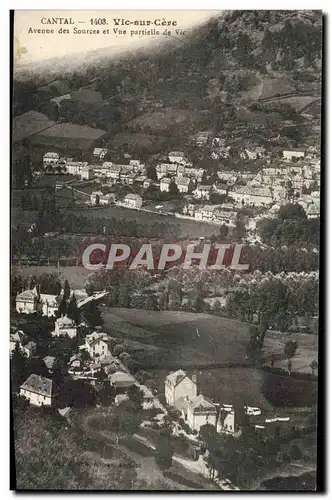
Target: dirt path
x=146 y=468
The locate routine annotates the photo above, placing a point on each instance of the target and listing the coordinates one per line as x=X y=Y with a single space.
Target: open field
x=307 y=350
x=168 y=340
x=182 y=338
x=187 y=227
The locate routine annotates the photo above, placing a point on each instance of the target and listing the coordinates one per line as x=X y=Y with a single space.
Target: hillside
x=212 y=80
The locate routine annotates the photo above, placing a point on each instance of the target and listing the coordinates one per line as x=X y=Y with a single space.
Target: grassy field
x=187 y=227
x=307 y=350
x=182 y=337
x=168 y=340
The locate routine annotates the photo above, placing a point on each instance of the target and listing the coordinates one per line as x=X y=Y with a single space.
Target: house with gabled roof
x=16 y=338
x=96 y=344
x=29 y=349
x=121 y=380
x=27 y=302
x=179 y=385
x=200 y=410
x=65 y=326
x=38 y=390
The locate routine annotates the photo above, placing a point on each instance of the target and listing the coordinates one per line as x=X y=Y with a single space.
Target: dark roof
x=121 y=379
x=38 y=384
x=29 y=123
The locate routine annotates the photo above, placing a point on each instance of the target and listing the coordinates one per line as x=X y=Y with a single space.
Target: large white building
x=133 y=201
x=164 y=184
x=252 y=196
x=198 y=411
x=288 y=154
x=65 y=326
x=27 y=302
x=179 y=385
x=75 y=167
x=38 y=390
x=50 y=158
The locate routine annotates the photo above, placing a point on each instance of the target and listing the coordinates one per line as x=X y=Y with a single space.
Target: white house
x=75 y=167
x=226 y=422
x=121 y=380
x=17 y=338
x=87 y=172
x=50 y=158
x=179 y=385
x=164 y=184
x=252 y=196
x=49 y=304
x=205 y=213
x=194 y=173
x=164 y=169
x=27 y=302
x=99 y=153
x=29 y=349
x=65 y=326
x=202 y=192
x=96 y=345
x=38 y=390
x=133 y=201
x=176 y=156
x=197 y=411
x=225 y=217
x=184 y=184
x=229 y=177
x=149 y=399
x=288 y=154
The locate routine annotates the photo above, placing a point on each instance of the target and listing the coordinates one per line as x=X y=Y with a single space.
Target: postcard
x=165 y=247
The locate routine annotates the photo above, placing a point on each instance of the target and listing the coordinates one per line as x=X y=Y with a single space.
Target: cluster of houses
x=198 y=410
x=94 y=355
x=31 y=301
x=294 y=176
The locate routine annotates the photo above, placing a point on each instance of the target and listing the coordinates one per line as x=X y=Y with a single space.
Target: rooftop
x=38 y=384
x=176 y=377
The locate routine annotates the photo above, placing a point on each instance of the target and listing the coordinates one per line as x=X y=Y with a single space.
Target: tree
x=292 y=211
x=125 y=422
x=135 y=396
x=223 y=231
x=239 y=231
x=118 y=349
x=18 y=365
x=290 y=349
x=151 y=173
x=62 y=307
x=208 y=434
x=92 y=314
x=164 y=451
x=66 y=291
x=173 y=189
x=72 y=310
x=314 y=366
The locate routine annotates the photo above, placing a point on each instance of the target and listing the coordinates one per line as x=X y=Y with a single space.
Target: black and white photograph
x=165 y=172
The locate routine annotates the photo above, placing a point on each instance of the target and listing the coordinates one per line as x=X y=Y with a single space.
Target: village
x=165 y=252
x=292 y=176
x=98 y=359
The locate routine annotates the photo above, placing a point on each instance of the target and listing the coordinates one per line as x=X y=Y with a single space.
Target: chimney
x=194 y=378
